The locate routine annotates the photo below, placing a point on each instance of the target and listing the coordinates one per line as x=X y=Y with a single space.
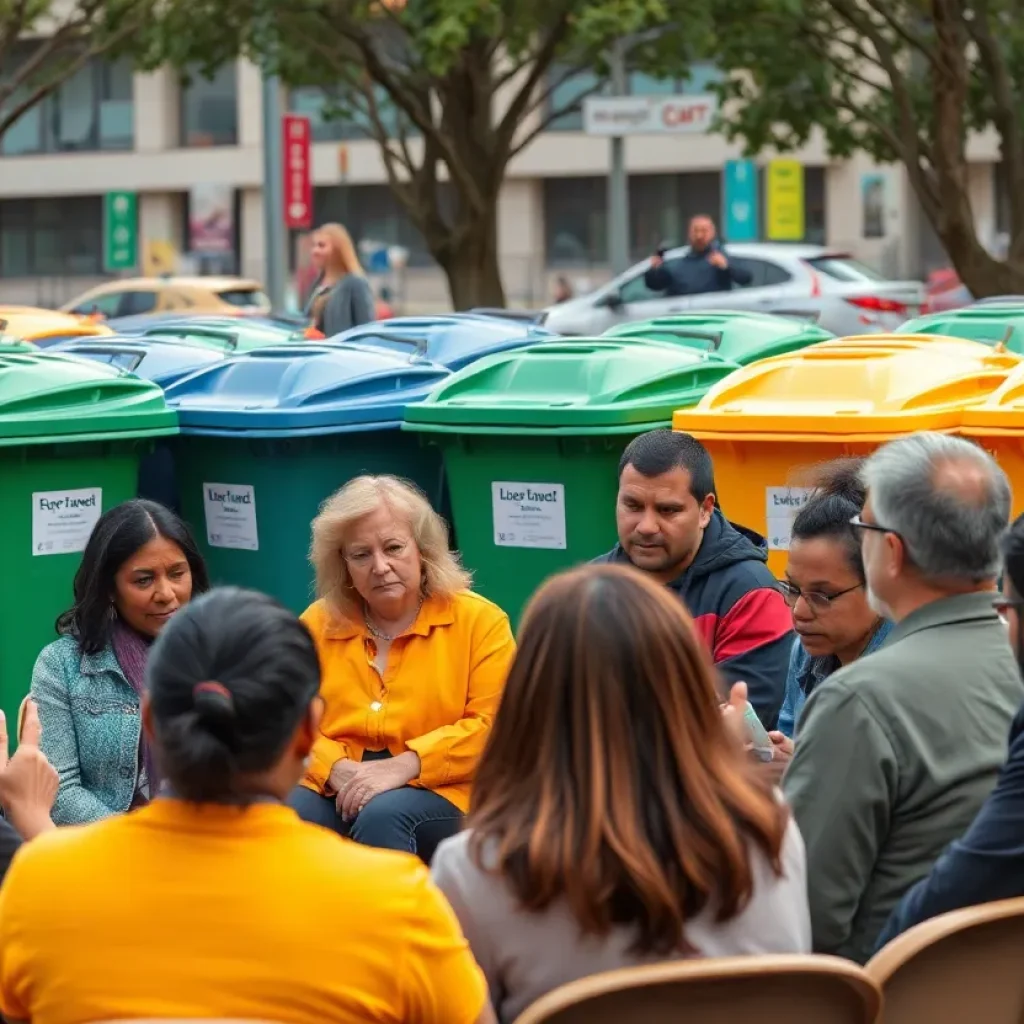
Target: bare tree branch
x=553 y=114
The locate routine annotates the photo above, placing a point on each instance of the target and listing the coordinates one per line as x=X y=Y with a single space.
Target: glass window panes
x=575 y=220
x=331 y=121
x=209 y=108
x=58 y=236
x=92 y=110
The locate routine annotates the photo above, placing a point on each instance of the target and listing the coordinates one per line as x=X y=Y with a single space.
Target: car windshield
x=844 y=268
x=245 y=298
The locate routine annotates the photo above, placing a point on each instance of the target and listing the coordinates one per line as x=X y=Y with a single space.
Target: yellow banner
x=785 y=203
x=159 y=257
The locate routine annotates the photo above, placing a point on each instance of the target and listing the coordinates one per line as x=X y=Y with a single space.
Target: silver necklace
x=380 y=634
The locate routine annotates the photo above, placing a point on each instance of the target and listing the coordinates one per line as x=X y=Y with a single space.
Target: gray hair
x=950 y=535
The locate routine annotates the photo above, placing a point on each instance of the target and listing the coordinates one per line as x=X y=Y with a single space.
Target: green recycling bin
x=72 y=433
x=531 y=441
x=266 y=437
x=991 y=325
x=738 y=336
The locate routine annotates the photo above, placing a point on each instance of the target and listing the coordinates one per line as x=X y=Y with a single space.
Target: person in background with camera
x=705 y=268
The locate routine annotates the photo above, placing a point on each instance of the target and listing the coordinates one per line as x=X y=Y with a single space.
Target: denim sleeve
x=75 y=805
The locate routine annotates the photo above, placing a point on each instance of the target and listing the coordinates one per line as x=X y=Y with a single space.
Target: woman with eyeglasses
x=414 y=664
x=825 y=590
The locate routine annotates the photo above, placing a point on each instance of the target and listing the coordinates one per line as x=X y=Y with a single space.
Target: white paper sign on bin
x=528 y=515
x=231 y=516
x=782 y=505
x=62 y=521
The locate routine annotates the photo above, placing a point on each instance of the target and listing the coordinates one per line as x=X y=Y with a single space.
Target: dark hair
x=838 y=495
x=229 y=680
x=117 y=535
x=609 y=779
x=661 y=451
x=1013 y=555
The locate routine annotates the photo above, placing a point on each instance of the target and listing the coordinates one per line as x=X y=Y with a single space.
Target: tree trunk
x=469 y=258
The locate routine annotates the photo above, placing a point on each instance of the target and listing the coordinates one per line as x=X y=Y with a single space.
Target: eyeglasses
x=858 y=524
x=815 y=599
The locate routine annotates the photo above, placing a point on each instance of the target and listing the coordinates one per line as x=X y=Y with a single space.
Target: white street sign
x=649 y=115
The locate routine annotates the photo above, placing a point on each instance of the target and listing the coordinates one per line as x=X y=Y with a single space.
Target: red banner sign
x=298 y=174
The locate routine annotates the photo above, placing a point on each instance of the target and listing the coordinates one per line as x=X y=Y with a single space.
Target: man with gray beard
x=896 y=752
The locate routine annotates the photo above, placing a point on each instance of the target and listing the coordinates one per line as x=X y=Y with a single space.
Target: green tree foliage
x=907 y=81
x=43 y=43
x=451 y=91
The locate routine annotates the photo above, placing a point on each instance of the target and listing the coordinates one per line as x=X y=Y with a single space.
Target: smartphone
x=764 y=749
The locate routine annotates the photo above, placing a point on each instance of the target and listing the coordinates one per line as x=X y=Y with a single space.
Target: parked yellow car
x=221 y=295
x=28 y=323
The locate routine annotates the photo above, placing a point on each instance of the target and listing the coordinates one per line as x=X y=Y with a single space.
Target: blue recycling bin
x=162 y=361
x=454 y=340
x=267 y=436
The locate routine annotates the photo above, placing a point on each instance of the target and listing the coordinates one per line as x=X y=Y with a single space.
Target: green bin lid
x=743 y=337
x=45 y=397
x=576 y=386
x=988 y=324
x=8 y=344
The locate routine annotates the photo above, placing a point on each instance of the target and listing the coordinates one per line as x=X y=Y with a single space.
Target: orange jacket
x=438 y=697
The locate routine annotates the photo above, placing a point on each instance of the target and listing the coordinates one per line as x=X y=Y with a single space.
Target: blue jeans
x=408 y=819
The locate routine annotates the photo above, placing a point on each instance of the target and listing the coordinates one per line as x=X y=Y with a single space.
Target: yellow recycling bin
x=998 y=426
x=767 y=424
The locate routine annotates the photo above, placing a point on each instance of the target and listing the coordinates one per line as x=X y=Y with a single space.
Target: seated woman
x=214 y=900
x=615 y=821
x=413 y=668
x=825 y=590
x=139 y=567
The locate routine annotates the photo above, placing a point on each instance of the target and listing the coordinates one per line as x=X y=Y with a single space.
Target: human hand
x=28 y=782
x=657 y=260
x=783 y=746
x=374 y=777
x=733 y=712
x=341 y=772
x=718 y=260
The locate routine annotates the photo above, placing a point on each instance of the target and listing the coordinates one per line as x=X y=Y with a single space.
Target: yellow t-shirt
x=184 y=911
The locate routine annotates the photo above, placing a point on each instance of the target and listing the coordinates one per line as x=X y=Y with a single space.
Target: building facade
x=160 y=136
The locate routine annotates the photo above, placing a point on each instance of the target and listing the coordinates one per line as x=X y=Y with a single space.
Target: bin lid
x=302 y=389
x=46 y=397
x=578 y=385
x=26 y=323
x=1003 y=410
x=227 y=335
x=737 y=335
x=990 y=324
x=869 y=386
x=161 y=360
x=453 y=340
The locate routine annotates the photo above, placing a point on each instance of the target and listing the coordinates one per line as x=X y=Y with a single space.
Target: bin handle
x=812 y=316
x=110 y=350
x=230 y=338
x=419 y=344
x=713 y=338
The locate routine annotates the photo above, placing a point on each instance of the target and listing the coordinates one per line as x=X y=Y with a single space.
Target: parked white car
x=842 y=294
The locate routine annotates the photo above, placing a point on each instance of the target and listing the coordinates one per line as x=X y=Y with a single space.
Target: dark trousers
x=409 y=819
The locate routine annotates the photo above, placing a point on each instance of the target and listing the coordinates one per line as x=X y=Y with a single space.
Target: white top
x=525 y=955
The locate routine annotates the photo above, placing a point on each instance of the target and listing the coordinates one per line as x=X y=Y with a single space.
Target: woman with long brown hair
x=341 y=297
x=615 y=820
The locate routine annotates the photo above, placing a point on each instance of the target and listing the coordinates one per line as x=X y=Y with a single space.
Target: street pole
x=275 y=235
x=618 y=184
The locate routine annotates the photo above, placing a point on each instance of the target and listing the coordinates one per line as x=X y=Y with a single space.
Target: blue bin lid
x=160 y=360
x=302 y=389
x=453 y=340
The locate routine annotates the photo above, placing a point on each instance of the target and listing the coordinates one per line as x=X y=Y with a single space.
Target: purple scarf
x=132 y=650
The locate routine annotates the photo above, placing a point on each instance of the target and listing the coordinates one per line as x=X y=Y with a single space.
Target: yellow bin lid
x=1002 y=412
x=871 y=386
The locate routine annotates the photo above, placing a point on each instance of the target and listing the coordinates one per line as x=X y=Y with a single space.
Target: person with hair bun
x=825 y=590
x=215 y=900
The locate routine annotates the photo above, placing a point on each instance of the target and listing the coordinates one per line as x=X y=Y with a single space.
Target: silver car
x=843 y=295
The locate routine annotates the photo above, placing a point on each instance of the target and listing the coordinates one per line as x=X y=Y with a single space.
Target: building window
x=660 y=208
x=375 y=218
x=700 y=79
x=209 y=108
x=51 y=237
x=328 y=126
x=92 y=110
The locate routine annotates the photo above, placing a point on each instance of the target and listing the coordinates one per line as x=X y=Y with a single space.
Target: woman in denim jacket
x=139 y=567
x=826 y=591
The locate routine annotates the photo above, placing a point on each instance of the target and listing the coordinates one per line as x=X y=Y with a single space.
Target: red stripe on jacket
x=759 y=617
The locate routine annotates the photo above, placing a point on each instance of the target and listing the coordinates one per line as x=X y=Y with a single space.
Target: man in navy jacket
x=705 y=268
x=670 y=527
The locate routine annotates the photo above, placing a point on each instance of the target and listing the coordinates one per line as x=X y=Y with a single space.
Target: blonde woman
x=413 y=663
x=341 y=297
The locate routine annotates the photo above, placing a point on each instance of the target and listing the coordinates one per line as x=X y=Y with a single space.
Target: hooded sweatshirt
x=738 y=610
